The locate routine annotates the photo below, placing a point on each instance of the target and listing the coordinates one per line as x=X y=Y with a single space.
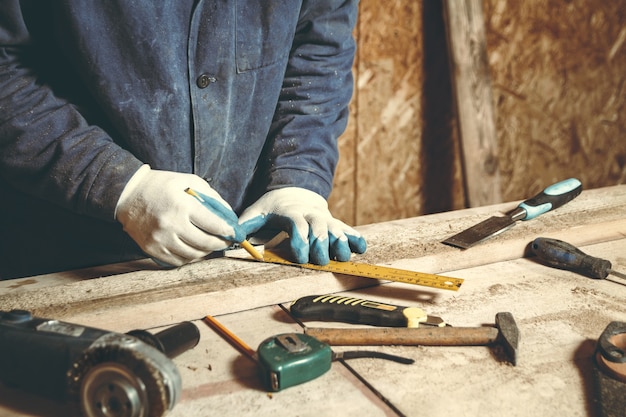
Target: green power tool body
x=98 y=373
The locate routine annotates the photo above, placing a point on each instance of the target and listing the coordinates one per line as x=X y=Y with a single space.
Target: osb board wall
x=558 y=70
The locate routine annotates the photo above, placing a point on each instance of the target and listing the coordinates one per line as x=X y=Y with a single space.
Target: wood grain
x=223 y=285
x=472 y=85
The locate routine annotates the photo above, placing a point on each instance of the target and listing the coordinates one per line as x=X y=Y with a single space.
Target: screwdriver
x=563 y=255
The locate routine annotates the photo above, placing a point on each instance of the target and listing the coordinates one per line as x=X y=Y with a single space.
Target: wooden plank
x=475 y=113
x=220 y=286
x=558 y=313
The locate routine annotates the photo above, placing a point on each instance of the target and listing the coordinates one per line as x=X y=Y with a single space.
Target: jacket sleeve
x=313 y=107
x=47 y=148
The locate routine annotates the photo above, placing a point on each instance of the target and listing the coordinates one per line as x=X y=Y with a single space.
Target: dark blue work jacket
x=249 y=94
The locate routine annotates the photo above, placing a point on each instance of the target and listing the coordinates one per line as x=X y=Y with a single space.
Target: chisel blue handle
x=551 y=198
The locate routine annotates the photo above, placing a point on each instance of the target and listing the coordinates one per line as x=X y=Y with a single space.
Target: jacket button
x=204 y=80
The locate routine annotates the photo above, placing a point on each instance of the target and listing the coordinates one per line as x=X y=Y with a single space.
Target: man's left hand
x=315 y=235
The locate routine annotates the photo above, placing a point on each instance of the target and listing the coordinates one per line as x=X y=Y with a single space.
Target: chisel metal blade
x=482 y=231
x=549 y=199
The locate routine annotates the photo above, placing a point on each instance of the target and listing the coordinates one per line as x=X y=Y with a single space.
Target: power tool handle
x=172 y=341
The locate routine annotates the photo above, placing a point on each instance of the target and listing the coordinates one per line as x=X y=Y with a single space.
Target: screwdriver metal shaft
x=563 y=255
x=616 y=274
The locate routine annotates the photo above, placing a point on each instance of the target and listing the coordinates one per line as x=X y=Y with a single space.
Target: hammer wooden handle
x=440 y=336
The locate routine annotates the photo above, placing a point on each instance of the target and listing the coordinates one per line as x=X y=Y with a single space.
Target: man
x=110 y=110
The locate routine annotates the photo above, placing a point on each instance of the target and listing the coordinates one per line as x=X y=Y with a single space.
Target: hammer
x=505 y=332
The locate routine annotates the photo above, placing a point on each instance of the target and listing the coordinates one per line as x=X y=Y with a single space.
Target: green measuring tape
x=374 y=272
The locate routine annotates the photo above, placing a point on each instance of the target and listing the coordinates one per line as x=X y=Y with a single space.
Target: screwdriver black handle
x=549 y=199
x=563 y=255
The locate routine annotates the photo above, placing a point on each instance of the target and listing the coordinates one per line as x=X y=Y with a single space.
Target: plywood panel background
x=558 y=74
x=558 y=71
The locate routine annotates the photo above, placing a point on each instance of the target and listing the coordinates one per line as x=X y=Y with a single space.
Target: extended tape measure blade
x=374 y=272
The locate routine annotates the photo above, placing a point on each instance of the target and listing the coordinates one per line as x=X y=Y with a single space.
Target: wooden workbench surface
x=560 y=316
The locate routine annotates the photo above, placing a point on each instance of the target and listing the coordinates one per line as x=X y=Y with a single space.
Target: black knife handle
x=352 y=310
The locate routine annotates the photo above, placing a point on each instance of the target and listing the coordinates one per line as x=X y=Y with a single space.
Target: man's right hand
x=171 y=225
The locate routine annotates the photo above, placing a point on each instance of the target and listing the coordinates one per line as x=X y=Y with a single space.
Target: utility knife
x=360 y=311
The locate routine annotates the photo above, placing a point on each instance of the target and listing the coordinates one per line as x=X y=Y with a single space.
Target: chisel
x=563 y=255
x=549 y=199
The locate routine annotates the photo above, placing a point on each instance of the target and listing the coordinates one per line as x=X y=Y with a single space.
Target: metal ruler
x=373 y=271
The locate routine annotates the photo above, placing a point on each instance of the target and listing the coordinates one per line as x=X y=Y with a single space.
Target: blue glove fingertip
x=225 y=213
x=357 y=244
x=299 y=249
x=240 y=233
x=218 y=208
x=253 y=225
x=340 y=250
x=318 y=250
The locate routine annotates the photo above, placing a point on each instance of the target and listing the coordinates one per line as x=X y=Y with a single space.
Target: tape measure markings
x=374 y=272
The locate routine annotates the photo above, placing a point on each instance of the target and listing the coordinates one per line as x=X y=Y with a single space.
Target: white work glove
x=171 y=225
x=315 y=235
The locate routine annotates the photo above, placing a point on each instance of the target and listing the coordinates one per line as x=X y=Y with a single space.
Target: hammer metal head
x=508 y=334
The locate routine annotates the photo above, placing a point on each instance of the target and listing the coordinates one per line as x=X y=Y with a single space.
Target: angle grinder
x=97 y=372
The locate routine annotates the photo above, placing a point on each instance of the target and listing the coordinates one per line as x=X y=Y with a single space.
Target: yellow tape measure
x=374 y=271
